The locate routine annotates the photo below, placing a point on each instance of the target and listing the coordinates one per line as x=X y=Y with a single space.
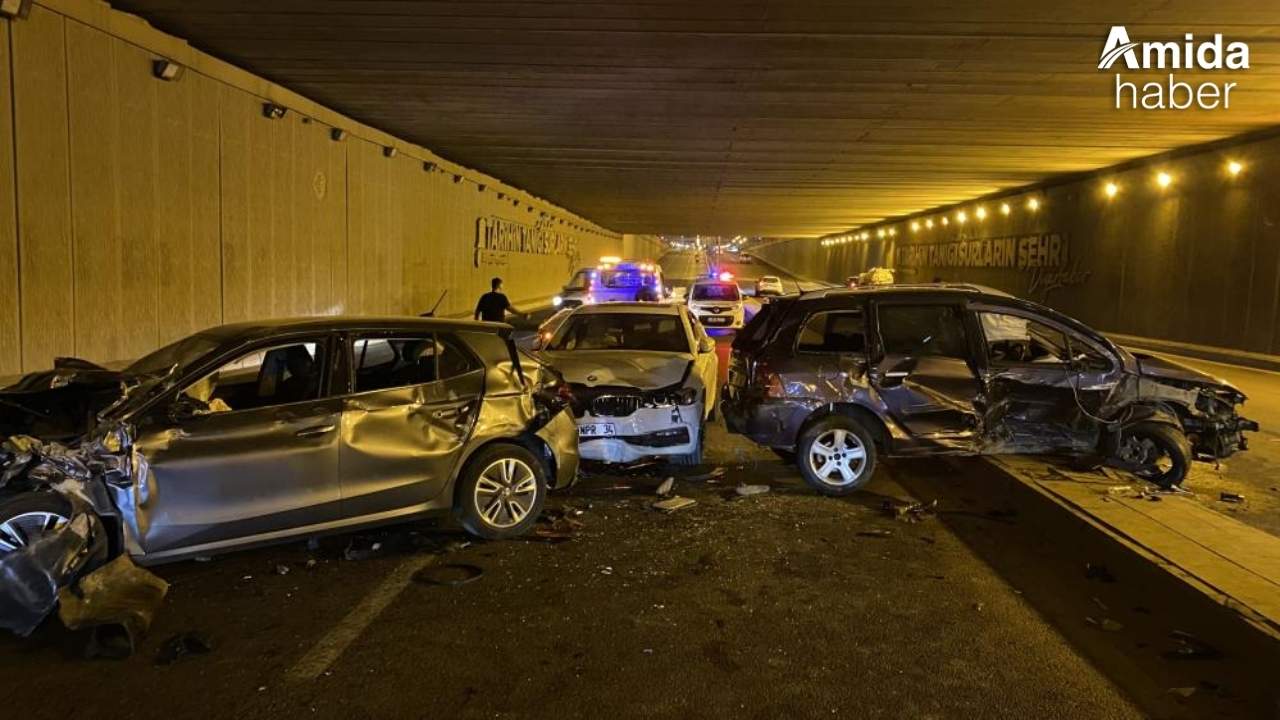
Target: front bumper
x=722 y=321
x=561 y=435
x=645 y=433
x=1218 y=439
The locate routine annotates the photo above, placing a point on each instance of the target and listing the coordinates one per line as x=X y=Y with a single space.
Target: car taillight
x=769 y=382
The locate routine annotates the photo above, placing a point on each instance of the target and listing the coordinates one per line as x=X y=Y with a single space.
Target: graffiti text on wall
x=1023 y=252
x=496 y=238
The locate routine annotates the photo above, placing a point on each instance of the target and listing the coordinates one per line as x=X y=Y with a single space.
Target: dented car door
x=413 y=405
x=247 y=452
x=924 y=373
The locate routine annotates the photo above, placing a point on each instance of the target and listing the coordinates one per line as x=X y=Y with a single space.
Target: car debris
x=1190 y=647
x=744 y=490
x=712 y=474
x=118 y=600
x=176 y=647
x=673 y=504
x=666 y=487
x=1105 y=624
x=1230 y=497
x=449 y=574
x=911 y=512
x=876 y=533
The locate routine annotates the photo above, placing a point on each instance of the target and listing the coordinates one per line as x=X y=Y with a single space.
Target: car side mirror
x=706 y=345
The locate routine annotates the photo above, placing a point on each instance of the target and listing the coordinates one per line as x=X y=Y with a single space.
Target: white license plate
x=597 y=430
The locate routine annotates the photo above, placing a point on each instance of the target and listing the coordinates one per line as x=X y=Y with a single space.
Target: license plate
x=596 y=430
x=716 y=320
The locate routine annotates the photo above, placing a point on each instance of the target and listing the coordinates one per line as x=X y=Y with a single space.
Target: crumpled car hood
x=630 y=368
x=60 y=403
x=1161 y=369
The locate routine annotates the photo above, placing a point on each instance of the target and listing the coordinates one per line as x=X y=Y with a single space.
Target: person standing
x=494 y=305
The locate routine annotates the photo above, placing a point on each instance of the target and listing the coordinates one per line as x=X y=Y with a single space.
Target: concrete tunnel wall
x=1197 y=262
x=134 y=211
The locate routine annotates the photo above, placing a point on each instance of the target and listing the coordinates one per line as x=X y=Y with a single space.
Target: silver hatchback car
x=256 y=433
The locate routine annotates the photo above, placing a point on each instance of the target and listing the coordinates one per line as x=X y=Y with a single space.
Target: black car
x=260 y=432
x=837 y=377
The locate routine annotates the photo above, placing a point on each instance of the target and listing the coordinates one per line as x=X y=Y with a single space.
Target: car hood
x=627 y=368
x=1159 y=368
x=61 y=403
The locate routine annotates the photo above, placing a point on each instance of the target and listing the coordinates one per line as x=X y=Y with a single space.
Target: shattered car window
x=1013 y=339
x=622 y=331
x=923 y=330
x=833 y=332
x=183 y=353
x=261 y=378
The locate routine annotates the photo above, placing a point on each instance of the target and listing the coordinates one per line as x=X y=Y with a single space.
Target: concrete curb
x=1227 y=356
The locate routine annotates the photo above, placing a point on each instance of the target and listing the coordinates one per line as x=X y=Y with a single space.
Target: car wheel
x=27 y=517
x=694 y=458
x=836 y=456
x=1161 y=453
x=501 y=492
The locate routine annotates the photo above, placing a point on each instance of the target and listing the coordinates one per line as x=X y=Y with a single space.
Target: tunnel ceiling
x=787 y=117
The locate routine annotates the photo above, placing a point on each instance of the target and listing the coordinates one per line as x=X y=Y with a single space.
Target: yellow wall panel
x=10 y=328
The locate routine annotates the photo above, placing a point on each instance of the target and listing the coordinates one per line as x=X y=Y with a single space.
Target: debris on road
x=673 y=504
x=1098 y=572
x=911 y=512
x=666 y=487
x=449 y=574
x=711 y=474
x=744 y=490
x=1190 y=647
x=282 y=569
x=879 y=533
x=1106 y=624
x=118 y=599
x=181 y=645
x=1182 y=692
x=1230 y=497
x=355 y=552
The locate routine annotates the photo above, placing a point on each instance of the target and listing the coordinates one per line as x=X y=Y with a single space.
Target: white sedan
x=643 y=379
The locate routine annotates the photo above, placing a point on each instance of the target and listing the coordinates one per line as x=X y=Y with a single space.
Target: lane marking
x=330 y=647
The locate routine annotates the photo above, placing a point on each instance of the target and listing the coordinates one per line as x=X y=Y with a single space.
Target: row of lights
x=1162 y=180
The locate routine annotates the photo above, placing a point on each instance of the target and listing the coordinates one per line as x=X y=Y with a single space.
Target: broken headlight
x=677 y=396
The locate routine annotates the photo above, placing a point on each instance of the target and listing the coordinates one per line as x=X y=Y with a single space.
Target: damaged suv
x=259 y=432
x=642 y=377
x=836 y=377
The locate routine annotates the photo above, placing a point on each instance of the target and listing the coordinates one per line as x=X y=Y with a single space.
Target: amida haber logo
x=1170 y=93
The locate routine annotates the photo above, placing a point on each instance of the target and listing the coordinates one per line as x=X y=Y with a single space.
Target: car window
x=261 y=378
x=1011 y=339
x=833 y=332
x=715 y=292
x=621 y=331
x=923 y=330
x=383 y=363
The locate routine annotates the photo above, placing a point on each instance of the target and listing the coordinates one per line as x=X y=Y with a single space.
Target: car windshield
x=622 y=331
x=715 y=292
x=182 y=353
x=581 y=281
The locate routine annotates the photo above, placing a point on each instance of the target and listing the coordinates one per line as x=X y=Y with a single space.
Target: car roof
x=332 y=323
x=631 y=308
x=969 y=289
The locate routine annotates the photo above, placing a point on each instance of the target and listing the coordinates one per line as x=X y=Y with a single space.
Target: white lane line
x=335 y=642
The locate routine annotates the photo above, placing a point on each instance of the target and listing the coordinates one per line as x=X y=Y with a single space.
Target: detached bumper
x=646 y=433
x=561 y=435
x=1220 y=439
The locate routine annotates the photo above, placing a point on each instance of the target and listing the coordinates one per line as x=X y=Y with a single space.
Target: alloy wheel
x=25 y=528
x=505 y=492
x=837 y=457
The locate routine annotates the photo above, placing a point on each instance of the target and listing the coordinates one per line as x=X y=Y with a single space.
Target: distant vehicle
x=268 y=431
x=961 y=369
x=577 y=291
x=619 y=280
x=643 y=380
x=717 y=302
x=768 y=285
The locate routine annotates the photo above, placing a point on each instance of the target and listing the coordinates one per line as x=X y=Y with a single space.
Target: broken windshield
x=180 y=354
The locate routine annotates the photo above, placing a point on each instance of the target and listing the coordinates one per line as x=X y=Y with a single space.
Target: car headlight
x=557 y=301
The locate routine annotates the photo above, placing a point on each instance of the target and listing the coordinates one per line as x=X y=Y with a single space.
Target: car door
x=1037 y=398
x=925 y=373
x=413 y=403
x=832 y=345
x=248 y=451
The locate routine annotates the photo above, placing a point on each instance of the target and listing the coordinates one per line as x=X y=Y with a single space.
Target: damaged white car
x=643 y=380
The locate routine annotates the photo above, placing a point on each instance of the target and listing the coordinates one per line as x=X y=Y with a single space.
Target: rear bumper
x=561 y=435
x=765 y=422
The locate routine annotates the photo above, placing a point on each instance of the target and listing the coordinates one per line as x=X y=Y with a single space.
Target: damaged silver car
x=256 y=433
x=835 y=378
x=642 y=377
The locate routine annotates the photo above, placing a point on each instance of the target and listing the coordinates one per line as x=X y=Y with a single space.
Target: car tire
x=501 y=492
x=847 y=453
x=1167 y=451
x=694 y=458
x=26 y=516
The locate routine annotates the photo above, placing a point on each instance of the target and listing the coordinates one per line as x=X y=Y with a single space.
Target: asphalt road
x=784 y=604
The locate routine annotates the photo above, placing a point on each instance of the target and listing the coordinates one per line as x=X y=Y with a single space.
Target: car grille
x=615 y=405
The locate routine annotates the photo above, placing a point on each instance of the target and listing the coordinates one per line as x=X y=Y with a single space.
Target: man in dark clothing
x=493 y=305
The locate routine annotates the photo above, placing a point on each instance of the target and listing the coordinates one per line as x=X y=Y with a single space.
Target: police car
x=717 y=302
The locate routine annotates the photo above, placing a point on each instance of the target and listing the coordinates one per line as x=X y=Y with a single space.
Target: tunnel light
x=880 y=233
x=929 y=223
x=1111 y=189
x=167 y=70
x=945 y=221
x=1234 y=168
x=1164 y=179
x=1004 y=208
x=961 y=217
x=915 y=226
x=273 y=111
x=893 y=232
x=389 y=151
x=1033 y=204
x=980 y=213
x=337 y=134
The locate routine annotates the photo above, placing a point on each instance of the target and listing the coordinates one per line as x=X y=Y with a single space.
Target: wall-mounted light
x=1111 y=189
x=15 y=8
x=1033 y=204
x=915 y=225
x=337 y=134
x=429 y=166
x=273 y=111
x=1234 y=168
x=389 y=151
x=1164 y=179
x=1004 y=208
x=980 y=213
x=961 y=217
x=167 y=70
x=945 y=221
x=928 y=223
x=893 y=232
